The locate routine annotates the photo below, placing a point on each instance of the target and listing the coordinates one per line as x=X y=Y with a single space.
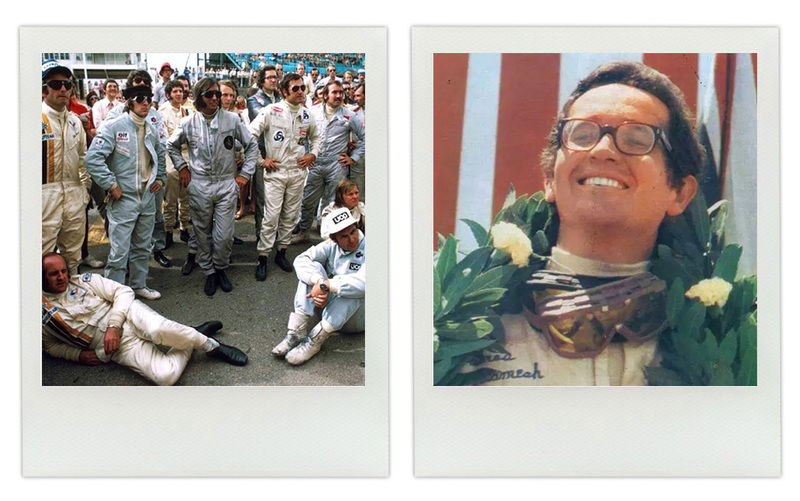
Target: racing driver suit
x=213 y=192
x=289 y=133
x=65 y=184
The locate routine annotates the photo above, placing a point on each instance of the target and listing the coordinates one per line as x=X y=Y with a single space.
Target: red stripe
x=449 y=92
x=682 y=69
x=528 y=103
x=725 y=72
x=754 y=60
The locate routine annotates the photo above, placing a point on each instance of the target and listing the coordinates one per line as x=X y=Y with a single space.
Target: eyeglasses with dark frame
x=57 y=84
x=630 y=138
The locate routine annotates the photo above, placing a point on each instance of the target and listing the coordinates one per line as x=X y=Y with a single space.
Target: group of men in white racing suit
x=127 y=160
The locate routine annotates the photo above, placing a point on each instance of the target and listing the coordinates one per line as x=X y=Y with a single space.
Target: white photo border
x=583 y=431
x=204 y=431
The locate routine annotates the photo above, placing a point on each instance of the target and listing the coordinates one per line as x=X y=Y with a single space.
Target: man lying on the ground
x=92 y=320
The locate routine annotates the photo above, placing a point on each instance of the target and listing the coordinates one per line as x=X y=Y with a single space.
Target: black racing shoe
x=211 y=284
x=261 y=269
x=282 y=262
x=233 y=356
x=184 y=235
x=224 y=283
x=170 y=239
x=189 y=264
x=161 y=259
x=209 y=328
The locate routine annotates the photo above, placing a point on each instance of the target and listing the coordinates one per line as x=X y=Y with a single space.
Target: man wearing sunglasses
x=138 y=78
x=65 y=182
x=621 y=157
x=211 y=177
x=291 y=146
x=337 y=125
x=267 y=82
x=127 y=160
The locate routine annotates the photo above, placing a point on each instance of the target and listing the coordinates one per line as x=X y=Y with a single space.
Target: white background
x=398 y=17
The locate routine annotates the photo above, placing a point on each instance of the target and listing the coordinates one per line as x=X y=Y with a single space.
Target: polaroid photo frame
x=205 y=430
x=577 y=430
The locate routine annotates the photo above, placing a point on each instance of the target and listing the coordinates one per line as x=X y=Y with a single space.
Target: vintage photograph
x=594 y=219
x=203 y=219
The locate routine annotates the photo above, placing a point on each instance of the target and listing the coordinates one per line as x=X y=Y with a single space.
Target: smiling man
x=621 y=157
x=330 y=290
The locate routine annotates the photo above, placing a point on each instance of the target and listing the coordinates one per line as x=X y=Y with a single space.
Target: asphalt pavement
x=254 y=317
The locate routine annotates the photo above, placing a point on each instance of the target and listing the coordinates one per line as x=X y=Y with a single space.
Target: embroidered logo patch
x=125 y=151
x=228 y=142
x=86 y=277
x=303 y=132
x=48 y=137
x=341 y=217
x=359 y=254
x=278 y=136
x=123 y=137
x=154 y=120
x=98 y=141
x=278 y=109
x=354 y=267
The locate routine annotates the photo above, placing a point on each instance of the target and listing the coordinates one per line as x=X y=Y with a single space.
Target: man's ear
x=549 y=189
x=683 y=196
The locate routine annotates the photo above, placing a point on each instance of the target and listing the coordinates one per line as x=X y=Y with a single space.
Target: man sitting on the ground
x=92 y=320
x=331 y=289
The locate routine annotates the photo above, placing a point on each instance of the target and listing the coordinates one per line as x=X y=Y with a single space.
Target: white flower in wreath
x=511 y=239
x=711 y=291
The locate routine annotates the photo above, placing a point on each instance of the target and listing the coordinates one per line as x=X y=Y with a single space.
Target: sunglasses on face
x=140 y=99
x=57 y=84
x=295 y=88
x=212 y=93
x=138 y=80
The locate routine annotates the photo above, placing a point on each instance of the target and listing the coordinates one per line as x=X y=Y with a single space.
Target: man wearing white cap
x=64 y=179
x=331 y=289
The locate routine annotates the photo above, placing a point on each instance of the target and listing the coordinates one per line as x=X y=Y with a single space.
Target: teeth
x=602 y=181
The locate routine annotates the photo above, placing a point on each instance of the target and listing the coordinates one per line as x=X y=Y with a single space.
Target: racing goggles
x=142 y=98
x=57 y=84
x=630 y=138
x=582 y=323
x=138 y=93
x=212 y=93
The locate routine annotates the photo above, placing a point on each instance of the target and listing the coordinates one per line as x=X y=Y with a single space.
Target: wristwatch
x=324 y=286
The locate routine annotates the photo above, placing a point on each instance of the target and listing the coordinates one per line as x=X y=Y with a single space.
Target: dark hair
x=140 y=74
x=330 y=83
x=262 y=74
x=170 y=86
x=687 y=154
x=183 y=77
x=345 y=185
x=91 y=94
x=109 y=81
x=287 y=79
x=200 y=87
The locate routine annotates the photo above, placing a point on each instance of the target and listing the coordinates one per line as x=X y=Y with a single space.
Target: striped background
x=492 y=113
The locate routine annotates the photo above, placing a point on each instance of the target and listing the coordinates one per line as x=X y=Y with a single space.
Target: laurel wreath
x=705 y=344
